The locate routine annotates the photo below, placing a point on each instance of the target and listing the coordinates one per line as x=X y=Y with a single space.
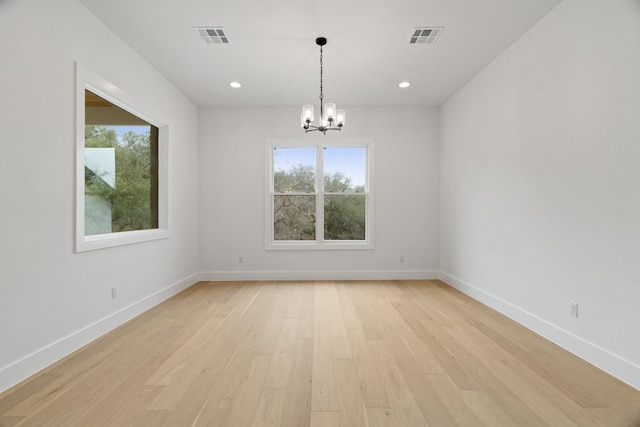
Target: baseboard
x=318 y=275
x=609 y=362
x=18 y=371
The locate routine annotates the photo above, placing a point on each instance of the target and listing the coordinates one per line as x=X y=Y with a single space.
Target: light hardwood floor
x=321 y=354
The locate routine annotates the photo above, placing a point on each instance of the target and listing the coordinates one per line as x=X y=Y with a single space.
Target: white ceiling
x=272 y=49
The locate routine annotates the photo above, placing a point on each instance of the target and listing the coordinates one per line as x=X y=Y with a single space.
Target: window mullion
x=320 y=194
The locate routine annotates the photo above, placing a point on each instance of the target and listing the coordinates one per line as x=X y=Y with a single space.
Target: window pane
x=121 y=169
x=344 y=217
x=294 y=170
x=345 y=169
x=294 y=217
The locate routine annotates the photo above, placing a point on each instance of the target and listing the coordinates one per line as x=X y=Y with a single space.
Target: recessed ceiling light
x=404 y=84
x=235 y=85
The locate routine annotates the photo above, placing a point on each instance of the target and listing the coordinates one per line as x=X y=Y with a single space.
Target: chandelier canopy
x=330 y=118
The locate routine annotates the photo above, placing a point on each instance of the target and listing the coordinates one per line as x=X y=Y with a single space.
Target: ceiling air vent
x=213 y=35
x=426 y=35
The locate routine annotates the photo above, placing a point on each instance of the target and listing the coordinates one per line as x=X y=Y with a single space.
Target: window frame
x=88 y=80
x=319 y=243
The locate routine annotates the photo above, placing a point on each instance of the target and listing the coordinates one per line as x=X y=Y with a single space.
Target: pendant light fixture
x=330 y=118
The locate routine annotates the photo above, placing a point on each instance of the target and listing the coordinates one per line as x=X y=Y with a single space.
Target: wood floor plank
x=401 y=398
x=187 y=396
x=295 y=304
x=269 y=411
x=218 y=403
x=490 y=411
x=127 y=399
x=537 y=395
x=306 y=313
x=351 y=403
x=215 y=349
x=11 y=421
x=381 y=417
x=484 y=376
x=283 y=355
x=26 y=390
x=150 y=419
x=361 y=306
x=410 y=338
x=372 y=387
x=324 y=396
x=340 y=346
x=297 y=408
x=321 y=353
x=608 y=417
x=563 y=405
x=325 y=419
x=70 y=400
x=454 y=401
x=541 y=356
x=426 y=395
x=247 y=396
x=176 y=363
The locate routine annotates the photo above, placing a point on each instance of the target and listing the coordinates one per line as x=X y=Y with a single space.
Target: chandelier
x=330 y=118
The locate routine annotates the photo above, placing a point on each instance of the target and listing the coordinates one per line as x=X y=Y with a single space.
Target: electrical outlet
x=240 y=260
x=114 y=292
x=401 y=258
x=573 y=309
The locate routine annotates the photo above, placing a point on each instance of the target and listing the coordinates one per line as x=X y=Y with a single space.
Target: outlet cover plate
x=573 y=309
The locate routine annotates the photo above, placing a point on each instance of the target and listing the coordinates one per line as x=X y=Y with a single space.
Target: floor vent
x=426 y=35
x=212 y=35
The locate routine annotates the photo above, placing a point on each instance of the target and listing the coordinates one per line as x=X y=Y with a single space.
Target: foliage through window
x=345 y=197
x=320 y=195
x=121 y=169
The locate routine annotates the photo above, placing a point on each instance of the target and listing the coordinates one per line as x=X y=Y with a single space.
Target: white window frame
x=319 y=243
x=87 y=80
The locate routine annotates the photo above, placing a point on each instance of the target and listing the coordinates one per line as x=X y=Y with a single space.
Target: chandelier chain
x=321 y=80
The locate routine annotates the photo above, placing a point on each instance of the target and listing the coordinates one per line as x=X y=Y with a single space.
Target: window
x=121 y=188
x=120 y=169
x=319 y=195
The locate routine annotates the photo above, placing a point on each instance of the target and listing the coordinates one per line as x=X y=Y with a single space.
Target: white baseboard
x=214 y=276
x=18 y=371
x=609 y=362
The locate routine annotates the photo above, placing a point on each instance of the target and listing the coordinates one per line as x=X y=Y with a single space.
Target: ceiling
x=272 y=50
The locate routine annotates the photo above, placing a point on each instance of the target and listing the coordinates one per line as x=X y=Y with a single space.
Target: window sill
x=102 y=241
x=315 y=246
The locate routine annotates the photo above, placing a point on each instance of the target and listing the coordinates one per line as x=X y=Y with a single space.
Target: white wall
x=232 y=177
x=540 y=182
x=53 y=300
